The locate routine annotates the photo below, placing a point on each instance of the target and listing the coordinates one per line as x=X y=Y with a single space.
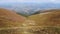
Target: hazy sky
x=38 y=1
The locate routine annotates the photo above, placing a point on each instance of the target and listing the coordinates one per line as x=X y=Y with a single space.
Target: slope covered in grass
x=9 y=18
x=44 y=23
x=10 y=22
x=48 y=18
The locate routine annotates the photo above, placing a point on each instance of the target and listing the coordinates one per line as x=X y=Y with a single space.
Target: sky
x=6 y=2
x=38 y=1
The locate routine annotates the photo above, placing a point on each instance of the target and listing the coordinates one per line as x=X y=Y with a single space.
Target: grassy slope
x=9 y=18
x=43 y=20
x=47 y=18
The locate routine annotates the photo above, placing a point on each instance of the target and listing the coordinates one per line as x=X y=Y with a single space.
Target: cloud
x=55 y=1
x=37 y=1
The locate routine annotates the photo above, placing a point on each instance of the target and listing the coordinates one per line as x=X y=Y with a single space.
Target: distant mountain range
x=29 y=8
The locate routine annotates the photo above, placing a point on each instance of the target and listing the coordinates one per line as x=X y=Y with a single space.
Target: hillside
x=47 y=18
x=47 y=22
x=8 y=17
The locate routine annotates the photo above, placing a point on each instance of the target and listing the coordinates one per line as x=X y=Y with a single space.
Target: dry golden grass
x=43 y=23
x=47 y=18
x=9 y=18
x=10 y=22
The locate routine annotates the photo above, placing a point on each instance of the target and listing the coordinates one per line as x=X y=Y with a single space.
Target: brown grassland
x=49 y=22
x=10 y=22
